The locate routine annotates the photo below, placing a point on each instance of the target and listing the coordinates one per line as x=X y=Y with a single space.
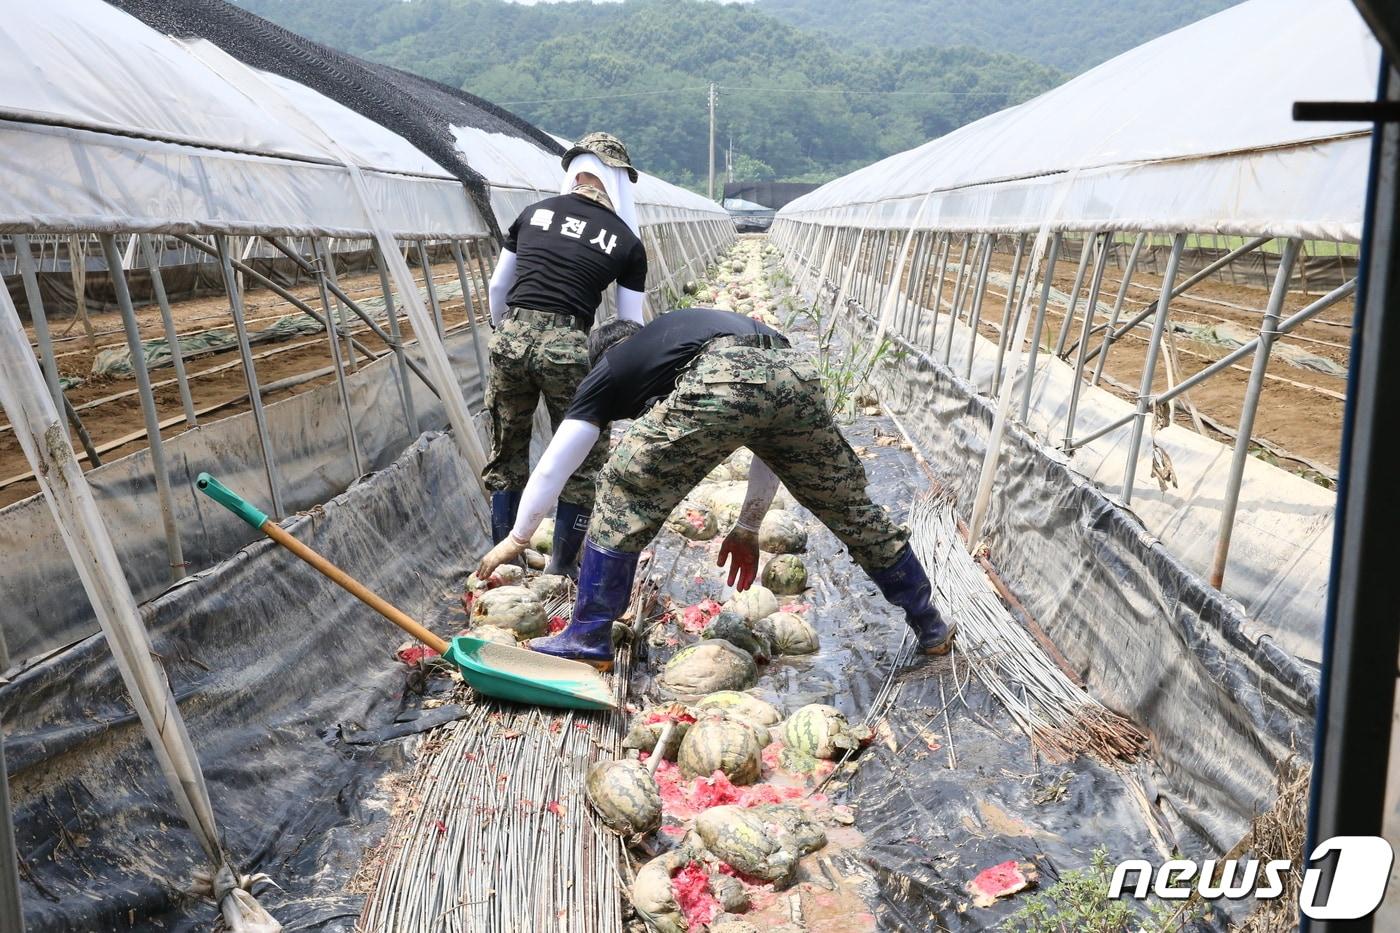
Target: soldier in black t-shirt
x=701 y=383
x=560 y=255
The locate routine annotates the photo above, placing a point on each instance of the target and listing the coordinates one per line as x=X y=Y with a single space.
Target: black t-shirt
x=569 y=248
x=643 y=368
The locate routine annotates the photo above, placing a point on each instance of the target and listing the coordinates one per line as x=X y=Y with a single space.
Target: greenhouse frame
x=188 y=721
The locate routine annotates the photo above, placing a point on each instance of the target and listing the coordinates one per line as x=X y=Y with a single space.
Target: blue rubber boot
x=604 y=589
x=906 y=585
x=503 y=508
x=570 y=527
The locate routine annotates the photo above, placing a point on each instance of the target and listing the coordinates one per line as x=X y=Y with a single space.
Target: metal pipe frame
x=957 y=296
x=974 y=314
x=889 y=305
x=1047 y=280
x=159 y=468
x=1181 y=289
x=928 y=252
x=11 y=908
x=907 y=309
x=1284 y=327
x=177 y=357
x=1128 y=269
x=840 y=298
x=874 y=271
x=486 y=268
x=1004 y=334
x=961 y=290
x=24 y=259
x=697 y=250
x=469 y=304
x=811 y=237
x=863 y=262
x=1268 y=333
x=805 y=272
x=281 y=292
x=333 y=282
x=323 y=261
x=879 y=282
x=1103 y=242
x=936 y=284
x=396 y=344
x=663 y=271
x=28 y=270
x=843 y=262
x=1068 y=322
x=1090 y=308
x=235 y=297
x=924 y=286
x=818 y=283
x=427 y=265
x=1149 y=368
x=881 y=273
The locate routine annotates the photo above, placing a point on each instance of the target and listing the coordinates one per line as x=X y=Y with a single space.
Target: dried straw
x=497 y=834
x=1280 y=833
x=1061 y=720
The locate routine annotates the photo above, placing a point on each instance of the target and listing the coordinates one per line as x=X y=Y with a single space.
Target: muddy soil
x=1300 y=409
x=213 y=383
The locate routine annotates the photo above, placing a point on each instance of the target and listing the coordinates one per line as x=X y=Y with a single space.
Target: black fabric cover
x=416 y=108
x=1150 y=639
x=294 y=700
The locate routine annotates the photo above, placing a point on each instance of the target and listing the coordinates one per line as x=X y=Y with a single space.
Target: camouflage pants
x=529 y=359
x=770 y=401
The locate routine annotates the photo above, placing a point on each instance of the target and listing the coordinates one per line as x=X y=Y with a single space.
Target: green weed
x=1079 y=903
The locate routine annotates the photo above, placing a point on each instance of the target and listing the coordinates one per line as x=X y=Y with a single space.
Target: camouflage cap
x=606 y=147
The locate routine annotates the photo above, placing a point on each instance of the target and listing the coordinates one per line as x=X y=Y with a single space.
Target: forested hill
x=797 y=104
x=1071 y=35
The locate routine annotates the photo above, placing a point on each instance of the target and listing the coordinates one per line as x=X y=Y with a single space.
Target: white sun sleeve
x=763 y=486
x=565 y=454
x=629 y=305
x=501 y=281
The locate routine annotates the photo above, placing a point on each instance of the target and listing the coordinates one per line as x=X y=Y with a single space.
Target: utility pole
x=712 y=140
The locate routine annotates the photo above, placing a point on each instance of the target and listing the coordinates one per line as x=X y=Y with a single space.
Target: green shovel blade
x=525 y=676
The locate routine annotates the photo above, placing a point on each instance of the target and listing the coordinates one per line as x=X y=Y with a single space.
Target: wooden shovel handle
x=354 y=587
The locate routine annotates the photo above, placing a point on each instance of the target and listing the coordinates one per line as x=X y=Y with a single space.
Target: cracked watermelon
x=785 y=575
x=625 y=796
x=510 y=607
x=720 y=744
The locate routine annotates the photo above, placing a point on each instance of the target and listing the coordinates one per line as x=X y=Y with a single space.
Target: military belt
x=546 y=317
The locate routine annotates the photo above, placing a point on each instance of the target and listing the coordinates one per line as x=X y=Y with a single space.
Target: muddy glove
x=503 y=553
x=740 y=548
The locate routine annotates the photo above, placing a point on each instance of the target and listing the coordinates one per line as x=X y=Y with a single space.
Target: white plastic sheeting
x=110 y=125
x=114 y=126
x=1281 y=549
x=40 y=431
x=1192 y=131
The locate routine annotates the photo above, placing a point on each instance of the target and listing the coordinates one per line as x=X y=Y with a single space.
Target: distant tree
x=747 y=168
x=1071 y=35
x=797 y=104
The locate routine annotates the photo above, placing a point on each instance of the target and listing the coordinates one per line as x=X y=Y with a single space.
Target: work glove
x=503 y=553
x=740 y=549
